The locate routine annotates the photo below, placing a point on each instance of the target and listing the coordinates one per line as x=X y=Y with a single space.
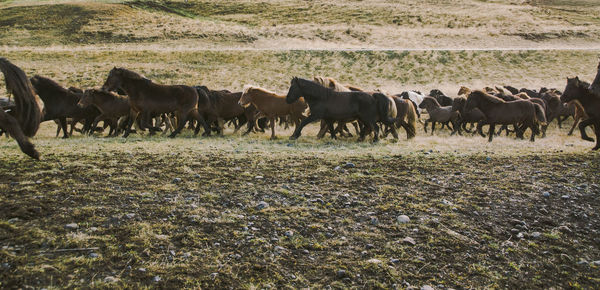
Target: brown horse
x=406 y=116
x=498 y=111
x=25 y=120
x=61 y=103
x=468 y=117
x=577 y=89
x=112 y=107
x=226 y=107
x=272 y=105
x=336 y=86
x=147 y=98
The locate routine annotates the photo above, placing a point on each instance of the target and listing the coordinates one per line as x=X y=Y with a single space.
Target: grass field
x=150 y=212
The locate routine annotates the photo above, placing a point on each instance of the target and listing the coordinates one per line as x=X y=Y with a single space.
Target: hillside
x=287 y=24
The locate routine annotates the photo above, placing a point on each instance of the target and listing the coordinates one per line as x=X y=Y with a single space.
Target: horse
x=111 y=106
x=61 y=103
x=577 y=89
x=226 y=107
x=24 y=120
x=498 y=111
x=406 y=116
x=440 y=114
x=511 y=89
x=441 y=97
x=415 y=97
x=147 y=98
x=468 y=117
x=336 y=86
x=329 y=105
x=272 y=105
x=595 y=86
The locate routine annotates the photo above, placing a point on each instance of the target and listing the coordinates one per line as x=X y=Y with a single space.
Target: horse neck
x=131 y=85
x=260 y=97
x=311 y=91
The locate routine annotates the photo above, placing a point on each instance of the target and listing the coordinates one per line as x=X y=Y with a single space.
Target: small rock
x=213 y=276
x=341 y=273
x=197 y=175
x=187 y=255
x=596 y=263
x=582 y=262
x=369 y=246
x=409 y=240
x=156 y=279
x=374 y=261
x=566 y=196
x=403 y=219
x=338 y=168
x=488 y=158
x=38 y=182
x=394 y=261
x=374 y=221
x=564 y=229
x=349 y=165
x=110 y=279
x=14 y=220
x=520 y=235
x=289 y=234
x=93 y=229
x=142 y=269
x=130 y=215
x=94 y=255
x=176 y=180
x=536 y=235
x=427 y=287
x=72 y=226
x=546 y=194
x=258 y=177
x=262 y=205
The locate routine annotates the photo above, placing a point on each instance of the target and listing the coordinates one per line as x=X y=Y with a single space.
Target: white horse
x=414 y=96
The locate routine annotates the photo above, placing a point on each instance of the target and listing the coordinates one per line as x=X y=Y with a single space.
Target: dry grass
x=309 y=24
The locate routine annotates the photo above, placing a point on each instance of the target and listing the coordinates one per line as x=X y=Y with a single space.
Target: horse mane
x=523 y=96
x=28 y=105
x=433 y=100
x=132 y=75
x=486 y=96
x=464 y=91
x=331 y=83
x=247 y=88
x=50 y=84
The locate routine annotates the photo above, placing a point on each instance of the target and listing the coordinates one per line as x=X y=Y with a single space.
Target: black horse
x=332 y=106
x=441 y=97
x=577 y=89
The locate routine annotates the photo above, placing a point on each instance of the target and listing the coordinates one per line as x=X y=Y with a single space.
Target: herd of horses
x=128 y=100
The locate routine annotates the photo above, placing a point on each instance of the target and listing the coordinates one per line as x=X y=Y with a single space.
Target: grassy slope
x=305 y=24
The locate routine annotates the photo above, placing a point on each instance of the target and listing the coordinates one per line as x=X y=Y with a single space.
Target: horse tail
x=411 y=117
x=540 y=115
x=28 y=105
x=386 y=108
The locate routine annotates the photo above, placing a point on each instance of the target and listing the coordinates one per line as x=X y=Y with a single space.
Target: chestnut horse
x=25 y=120
x=406 y=116
x=147 y=98
x=498 y=111
x=112 y=107
x=272 y=105
x=226 y=107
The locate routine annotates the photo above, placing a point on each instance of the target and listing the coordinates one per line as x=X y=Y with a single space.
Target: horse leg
x=575 y=122
x=425 y=125
x=491 y=132
x=57 y=129
x=597 y=132
x=480 y=128
x=180 y=125
x=322 y=130
x=331 y=129
x=133 y=115
x=375 y=131
x=63 y=125
x=95 y=123
x=273 y=121
x=433 y=127
x=582 y=126
x=298 y=130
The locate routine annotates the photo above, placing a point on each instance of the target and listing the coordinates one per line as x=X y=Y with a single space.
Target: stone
x=546 y=194
x=409 y=240
x=349 y=165
x=289 y=234
x=258 y=177
x=374 y=261
x=93 y=255
x=110 y=279
x=176 y=180
x=403 y=219
x=536 y=235
x=426 y=287
x=340 y=273
x=262 y=205
x=71 y=226
x=156 y=279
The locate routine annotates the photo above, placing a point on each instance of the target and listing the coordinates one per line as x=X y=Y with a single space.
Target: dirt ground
x=247 y=212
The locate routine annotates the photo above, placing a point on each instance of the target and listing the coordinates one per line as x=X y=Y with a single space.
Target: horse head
x=114 y=79
x=87 y=98
x=295 y=92
x=571 y=90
